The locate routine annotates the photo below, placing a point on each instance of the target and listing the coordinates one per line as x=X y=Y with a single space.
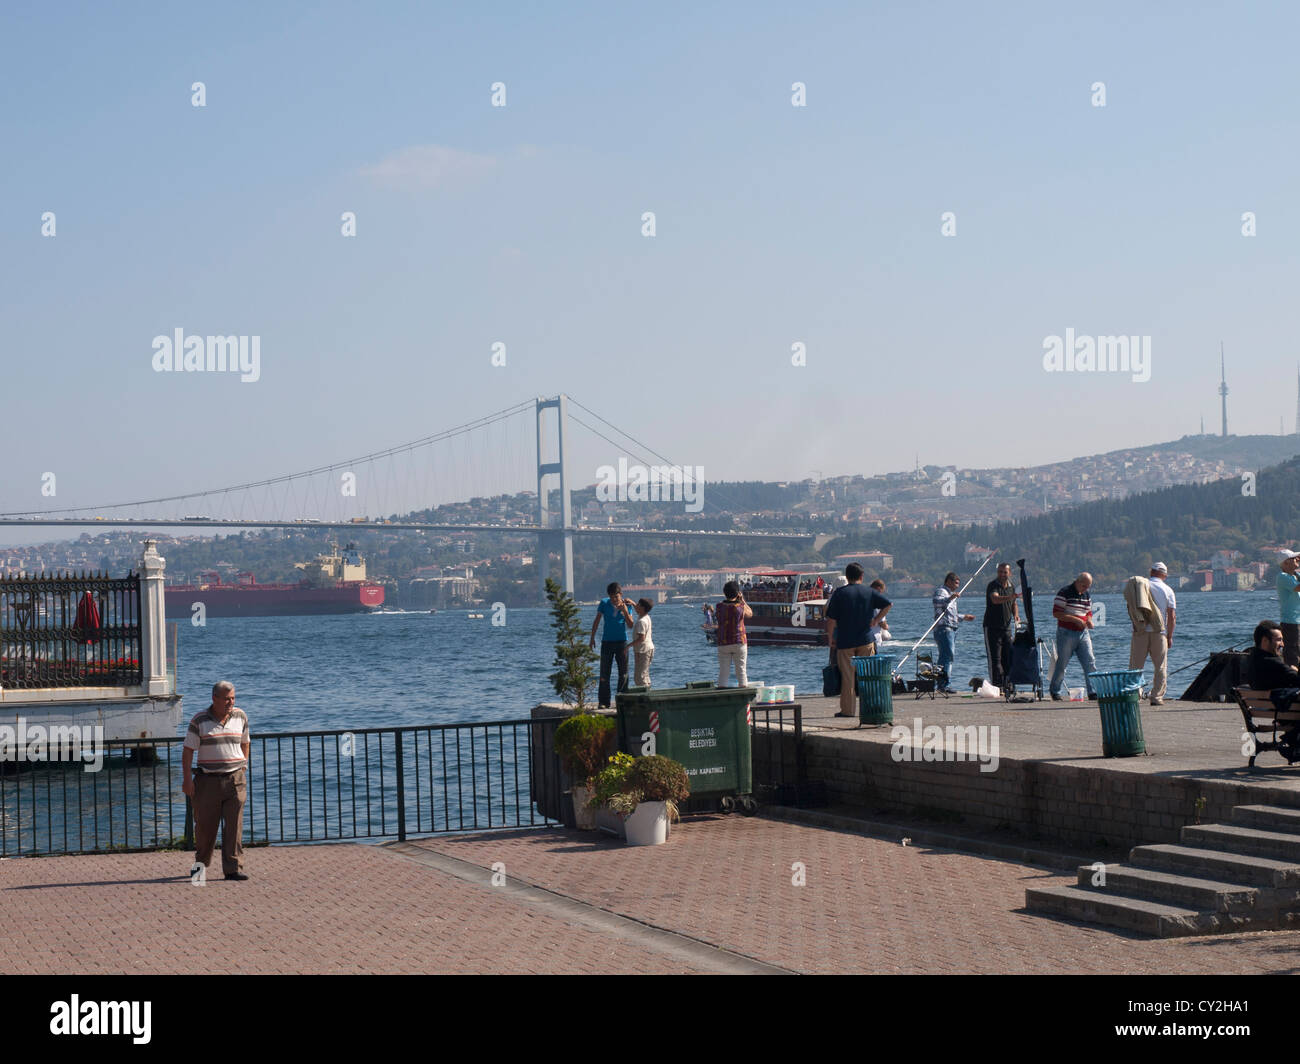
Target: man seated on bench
x=1266 y=669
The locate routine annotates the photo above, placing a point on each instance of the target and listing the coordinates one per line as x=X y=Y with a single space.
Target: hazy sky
x=522 y=224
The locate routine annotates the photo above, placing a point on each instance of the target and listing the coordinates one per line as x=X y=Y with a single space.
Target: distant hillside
x=1115 y=538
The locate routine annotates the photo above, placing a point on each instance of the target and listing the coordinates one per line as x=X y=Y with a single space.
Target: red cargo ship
x=341 y=588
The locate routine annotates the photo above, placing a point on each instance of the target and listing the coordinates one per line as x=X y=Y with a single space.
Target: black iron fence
x=302 y=787
x=65 y=630
x=319 y=786
x=780 y=768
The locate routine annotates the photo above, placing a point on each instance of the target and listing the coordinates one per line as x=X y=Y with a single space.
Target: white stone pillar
x=153 y=624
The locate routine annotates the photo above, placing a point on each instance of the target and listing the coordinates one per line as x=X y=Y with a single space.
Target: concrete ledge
x=1091 y=805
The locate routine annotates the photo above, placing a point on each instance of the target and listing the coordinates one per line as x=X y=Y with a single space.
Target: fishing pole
x=960 y=590
x=1207 y=658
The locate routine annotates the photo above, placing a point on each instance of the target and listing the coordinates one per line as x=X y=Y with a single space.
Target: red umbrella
x=87 y=621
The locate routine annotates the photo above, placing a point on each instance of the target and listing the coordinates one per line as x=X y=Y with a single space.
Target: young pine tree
x=574 y=658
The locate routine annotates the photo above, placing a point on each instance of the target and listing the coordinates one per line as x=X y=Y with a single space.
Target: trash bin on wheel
x=1118 y=694
x=874 y=677
x=703 y=727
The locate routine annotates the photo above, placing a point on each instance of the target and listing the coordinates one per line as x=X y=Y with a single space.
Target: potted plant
x=606 y=783
x=582 y=744
x=647 y=798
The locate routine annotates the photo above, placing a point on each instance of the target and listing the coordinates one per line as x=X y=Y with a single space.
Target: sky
x=774 y=225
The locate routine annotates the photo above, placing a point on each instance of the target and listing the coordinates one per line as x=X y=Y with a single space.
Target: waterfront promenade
x=784 y=892
x=718 y=897
x=1199 y=740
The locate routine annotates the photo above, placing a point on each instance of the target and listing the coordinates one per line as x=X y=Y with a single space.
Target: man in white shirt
x=1154 y=640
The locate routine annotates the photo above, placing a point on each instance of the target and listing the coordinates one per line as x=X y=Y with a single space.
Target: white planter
x=609 y=822
x=648 y=824
x=584 y=817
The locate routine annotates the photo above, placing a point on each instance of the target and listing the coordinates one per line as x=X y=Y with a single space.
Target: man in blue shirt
x=613 y=640
x=944 y=602
x=1288 y=603
x=850 y=613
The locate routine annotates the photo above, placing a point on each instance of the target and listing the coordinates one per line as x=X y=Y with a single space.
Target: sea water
x=393 y=668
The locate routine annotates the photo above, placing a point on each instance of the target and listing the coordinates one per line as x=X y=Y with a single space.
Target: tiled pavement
x=867 y=906
x=306 y=909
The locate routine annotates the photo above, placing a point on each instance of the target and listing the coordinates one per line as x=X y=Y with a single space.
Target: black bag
x=831 y=678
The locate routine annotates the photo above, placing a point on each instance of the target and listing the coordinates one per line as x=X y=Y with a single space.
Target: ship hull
x=269 y=601
x=776 y=634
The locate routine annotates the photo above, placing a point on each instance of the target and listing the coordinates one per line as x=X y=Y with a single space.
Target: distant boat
x=779 y=600
x=340 y=588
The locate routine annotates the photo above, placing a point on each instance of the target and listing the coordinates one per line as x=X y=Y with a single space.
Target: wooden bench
x=1262 y=717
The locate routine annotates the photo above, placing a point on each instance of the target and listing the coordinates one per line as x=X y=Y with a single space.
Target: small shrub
x=610 y=780
x=651 y=779
x=582 y=744
x=659 y=779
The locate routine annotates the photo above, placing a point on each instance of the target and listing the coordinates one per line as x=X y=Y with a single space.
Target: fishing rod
x=960 y=590
x=1207 y=658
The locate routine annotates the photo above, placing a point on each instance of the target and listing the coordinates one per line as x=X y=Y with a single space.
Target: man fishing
x=1001 y=615
x=947 y=620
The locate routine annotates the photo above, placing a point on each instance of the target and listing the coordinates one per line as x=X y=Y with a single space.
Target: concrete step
x=1154 y=885
x=1235 y=838
x=1268 y=817
x=1111 y=910
x=1250 y=869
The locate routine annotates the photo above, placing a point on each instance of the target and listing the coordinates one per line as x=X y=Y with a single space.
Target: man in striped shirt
x=1072 y=609
x=217 y=787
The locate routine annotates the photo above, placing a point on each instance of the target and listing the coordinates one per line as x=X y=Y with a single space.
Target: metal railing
x=777 y=750
x=318 y=786
x=48 y=639
x=302 y=787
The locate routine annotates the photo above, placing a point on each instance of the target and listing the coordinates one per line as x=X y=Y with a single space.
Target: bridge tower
x=559 y=538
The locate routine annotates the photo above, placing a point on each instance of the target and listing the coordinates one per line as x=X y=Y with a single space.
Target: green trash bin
x=703 y=727
x=1118 y=694
x=874 y=676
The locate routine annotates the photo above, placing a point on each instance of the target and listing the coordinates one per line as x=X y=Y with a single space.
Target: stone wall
x=1080 y=805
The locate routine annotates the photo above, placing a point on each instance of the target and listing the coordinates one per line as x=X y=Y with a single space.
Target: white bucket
x=648 y=824
x=783 y=692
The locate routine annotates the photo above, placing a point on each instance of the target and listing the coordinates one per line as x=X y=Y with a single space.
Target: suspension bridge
x=452 y=465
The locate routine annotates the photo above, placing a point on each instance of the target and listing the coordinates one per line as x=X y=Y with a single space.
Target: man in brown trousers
x=219 y=736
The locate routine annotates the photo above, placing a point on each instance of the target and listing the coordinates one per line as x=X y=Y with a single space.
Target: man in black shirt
x=1265 y=667
x=850 y=613
x=1001 y=615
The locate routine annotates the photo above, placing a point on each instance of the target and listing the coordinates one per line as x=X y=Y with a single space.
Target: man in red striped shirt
x=1072 y=609
x=217 y=786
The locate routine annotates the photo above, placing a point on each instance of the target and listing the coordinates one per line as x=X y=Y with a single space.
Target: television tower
x=1297 y=399
x=1223 y=390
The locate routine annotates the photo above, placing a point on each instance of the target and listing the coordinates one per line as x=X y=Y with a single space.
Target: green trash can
x=703 y=727
x=874 y=676
x=1118 y=694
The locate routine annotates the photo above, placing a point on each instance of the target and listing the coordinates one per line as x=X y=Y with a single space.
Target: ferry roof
x=798 y=572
